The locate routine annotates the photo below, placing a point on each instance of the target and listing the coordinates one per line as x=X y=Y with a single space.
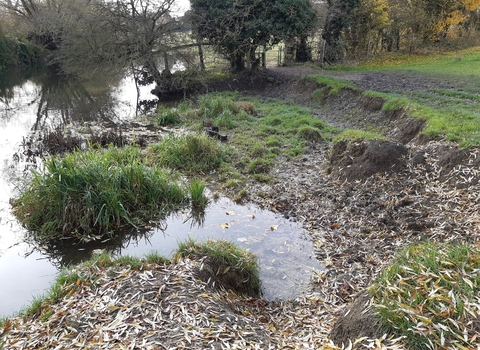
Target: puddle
x=285 y=255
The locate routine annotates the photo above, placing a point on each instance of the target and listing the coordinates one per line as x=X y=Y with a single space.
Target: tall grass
x=197 y=193
x=95 y=192
x=194 y=153
x=212 y=105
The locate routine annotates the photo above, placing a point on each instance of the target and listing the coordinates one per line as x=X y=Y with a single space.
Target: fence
x=275 y=56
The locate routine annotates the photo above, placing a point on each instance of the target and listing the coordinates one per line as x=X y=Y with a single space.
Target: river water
x=32 y=102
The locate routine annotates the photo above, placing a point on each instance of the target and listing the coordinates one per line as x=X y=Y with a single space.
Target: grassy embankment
x=429 y=294
x=450 y=112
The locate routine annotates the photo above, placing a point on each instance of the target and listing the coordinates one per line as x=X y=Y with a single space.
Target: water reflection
x=285 y=256
x=31 y=103
x=60 y=99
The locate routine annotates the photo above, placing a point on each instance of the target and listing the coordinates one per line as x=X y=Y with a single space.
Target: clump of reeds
x=194 y=153
x=95 y=192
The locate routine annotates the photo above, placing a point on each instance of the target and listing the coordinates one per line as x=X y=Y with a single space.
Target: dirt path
x=382 y=81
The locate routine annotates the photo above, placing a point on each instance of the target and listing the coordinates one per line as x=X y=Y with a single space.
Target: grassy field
x=452 y=112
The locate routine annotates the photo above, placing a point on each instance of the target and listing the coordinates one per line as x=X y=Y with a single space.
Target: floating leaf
x=225 y=225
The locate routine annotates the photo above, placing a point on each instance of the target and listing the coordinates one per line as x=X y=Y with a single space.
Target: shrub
x=14 y=52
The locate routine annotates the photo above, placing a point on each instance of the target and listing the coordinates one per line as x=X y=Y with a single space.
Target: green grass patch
x=457 y=94
x=451 y=112
x=212 y=105
x=396 y=104
x=258 y=132
x=310 y=133
x=452 y=123
x=192 y=153
x=95 y=192
x=461 y=63
x=168 y=116
x=260 y=166
x=354 y=135
x=333 y=85
x=225 y=263
x=430 y=295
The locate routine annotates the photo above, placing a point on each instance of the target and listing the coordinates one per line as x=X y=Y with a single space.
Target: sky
x=183 y=5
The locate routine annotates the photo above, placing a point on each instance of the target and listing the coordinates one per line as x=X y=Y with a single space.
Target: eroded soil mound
x=359 y=160
x=359 y=320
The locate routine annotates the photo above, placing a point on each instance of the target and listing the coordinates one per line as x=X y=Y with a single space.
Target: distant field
x=452 y=112
x=461 y=63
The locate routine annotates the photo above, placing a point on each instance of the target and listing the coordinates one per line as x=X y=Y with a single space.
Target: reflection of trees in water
x=64 y=100
x=9 y=79
x=63 y=253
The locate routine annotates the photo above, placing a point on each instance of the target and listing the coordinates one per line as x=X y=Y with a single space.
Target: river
x=36 y=101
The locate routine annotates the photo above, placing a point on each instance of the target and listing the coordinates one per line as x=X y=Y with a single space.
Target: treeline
x=359 y=28
x=149 y=36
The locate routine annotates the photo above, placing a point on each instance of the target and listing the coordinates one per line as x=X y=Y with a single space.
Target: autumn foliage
x=361 y=28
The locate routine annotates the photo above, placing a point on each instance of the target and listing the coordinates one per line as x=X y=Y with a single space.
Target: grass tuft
x=430 y=295
x=168 y=116
x=333 y=85
x=95 y=192
x=396 y=104
x=354 y=135
x=197 y=193
x=154 y=257
x=228 y=265
x=193 y=153
x=310 y=133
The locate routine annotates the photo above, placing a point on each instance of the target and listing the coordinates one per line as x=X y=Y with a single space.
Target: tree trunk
x=237 y=62
x=200 y=55
x=304 y=53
